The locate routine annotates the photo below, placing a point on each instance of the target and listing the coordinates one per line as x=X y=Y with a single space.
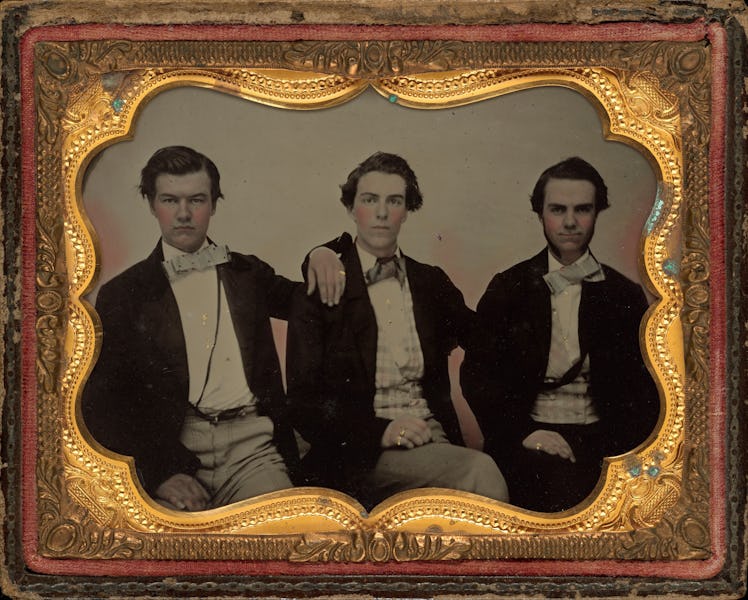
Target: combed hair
x=571 y=168
x=178 y=160
x=383 y=162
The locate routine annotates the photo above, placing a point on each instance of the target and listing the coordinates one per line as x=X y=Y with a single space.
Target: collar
x=172 y=252
x=367 y=259
x=181 y=264
x=585 y=268
x=555 y=265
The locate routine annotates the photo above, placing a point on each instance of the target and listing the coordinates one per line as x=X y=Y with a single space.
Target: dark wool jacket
x=136 y=398
x=503 y=370
x=331 y=360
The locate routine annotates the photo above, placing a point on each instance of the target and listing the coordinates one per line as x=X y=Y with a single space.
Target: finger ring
x=402 y=432
x=538 y=446
x=342 y=273
x=399 y=437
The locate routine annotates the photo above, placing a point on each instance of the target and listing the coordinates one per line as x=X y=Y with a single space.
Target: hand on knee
x=550 y=442
x=406 y=432
x=184 y=492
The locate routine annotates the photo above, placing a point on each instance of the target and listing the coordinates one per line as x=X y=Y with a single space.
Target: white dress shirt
x=570 y=403
x=205 y=326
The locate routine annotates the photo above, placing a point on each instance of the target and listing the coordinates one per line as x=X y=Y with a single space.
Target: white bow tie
x=587 y=269
x=209 y=256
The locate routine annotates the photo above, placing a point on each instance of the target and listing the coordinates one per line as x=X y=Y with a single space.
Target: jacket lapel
x=422 y=314
x=161 y=318
x=241 y=297
x=591 y=307
x=360 y=313
x=537 y=305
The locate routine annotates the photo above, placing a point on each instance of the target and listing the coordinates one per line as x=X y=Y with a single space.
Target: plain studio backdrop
x=281 y=172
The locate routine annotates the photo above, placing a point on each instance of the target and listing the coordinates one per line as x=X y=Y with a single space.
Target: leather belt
x=224 y=415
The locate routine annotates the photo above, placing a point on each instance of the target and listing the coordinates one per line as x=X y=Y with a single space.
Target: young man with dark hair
x=368 y=381
x=556 y=377
x=188 y=380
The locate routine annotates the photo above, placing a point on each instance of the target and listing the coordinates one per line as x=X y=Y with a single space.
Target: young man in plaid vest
x=368 y=380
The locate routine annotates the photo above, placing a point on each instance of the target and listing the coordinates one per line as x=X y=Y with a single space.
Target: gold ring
x=399 y=437
x=538 y=446
x=342 y=273
x=402 y=433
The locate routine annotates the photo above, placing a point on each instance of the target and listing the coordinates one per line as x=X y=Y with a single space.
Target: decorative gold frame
x=652 y=503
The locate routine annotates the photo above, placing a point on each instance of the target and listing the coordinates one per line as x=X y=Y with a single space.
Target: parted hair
x=571 y=168
x=178 y=160
x=383 y=162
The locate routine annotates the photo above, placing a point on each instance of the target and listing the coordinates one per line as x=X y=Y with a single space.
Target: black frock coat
x=331 y=362
x=136 y=398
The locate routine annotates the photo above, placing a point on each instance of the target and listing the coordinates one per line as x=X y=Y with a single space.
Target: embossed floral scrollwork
x=649 y=101
x=67 y=528
x=682 y=70
x=86 y=95
x=374 y=58
x=671 y=539
x=378 y=547
x=88 y=539
x=655 y=497
x=68 y=76
x=48 y=340
x=681 y=531
x=695 y=273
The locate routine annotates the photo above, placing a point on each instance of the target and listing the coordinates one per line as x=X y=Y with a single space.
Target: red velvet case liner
x=624 y=32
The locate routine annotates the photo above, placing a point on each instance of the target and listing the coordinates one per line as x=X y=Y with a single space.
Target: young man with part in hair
x=556 y=377
x=368 y=381
x=188 y=381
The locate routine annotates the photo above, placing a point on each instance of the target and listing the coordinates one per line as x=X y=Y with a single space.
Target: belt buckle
x=228 y=415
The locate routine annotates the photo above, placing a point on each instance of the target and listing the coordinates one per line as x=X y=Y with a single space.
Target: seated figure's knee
x=488 y=479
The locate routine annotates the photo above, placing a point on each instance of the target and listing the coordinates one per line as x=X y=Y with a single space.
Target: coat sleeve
x=341 y=244
x=489 y=368
x=326 y=396
x=444 y=322
x=458 y=320
x=280 y=292
x=117 y=406
x=632 y=396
